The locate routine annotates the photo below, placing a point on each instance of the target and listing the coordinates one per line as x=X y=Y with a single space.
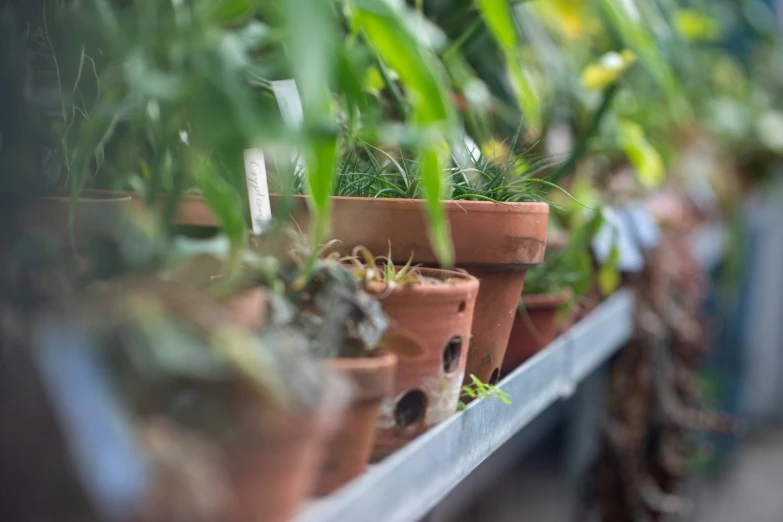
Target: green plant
x=479 y=390
x=323 y=300
x=498 y=174
x=570 y=271
x=369 y=269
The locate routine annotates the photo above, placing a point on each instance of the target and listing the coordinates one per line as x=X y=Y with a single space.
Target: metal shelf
x=408 y=484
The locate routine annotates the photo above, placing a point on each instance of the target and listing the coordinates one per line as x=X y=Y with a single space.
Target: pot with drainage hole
x=430 y=334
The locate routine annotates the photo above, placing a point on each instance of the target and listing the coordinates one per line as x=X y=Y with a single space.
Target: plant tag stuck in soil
x=644 y=225
x=287 y=96
x=96 y=428
x=615 y=231
x=257 y=189
x=289 y=102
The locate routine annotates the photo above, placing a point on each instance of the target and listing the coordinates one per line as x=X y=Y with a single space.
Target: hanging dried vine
x=655 y=405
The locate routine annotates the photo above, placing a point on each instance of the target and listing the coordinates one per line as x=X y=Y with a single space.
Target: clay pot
x=192 y=210
x=279 y=467
x=97 y=213
x=349 y=450
x=247 y=308
x=495 y=242
x=533 y=329
x=430 y=334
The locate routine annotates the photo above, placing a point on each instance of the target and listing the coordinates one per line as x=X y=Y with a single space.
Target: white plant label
x=257 y=189
x=289 y=102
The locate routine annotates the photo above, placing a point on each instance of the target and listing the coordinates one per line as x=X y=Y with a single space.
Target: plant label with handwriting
x=257 y=189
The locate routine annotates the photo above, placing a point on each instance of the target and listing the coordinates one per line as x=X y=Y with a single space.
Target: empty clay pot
x=429 y=333
x=533 y=329
x=349 y=451
x=496 y=242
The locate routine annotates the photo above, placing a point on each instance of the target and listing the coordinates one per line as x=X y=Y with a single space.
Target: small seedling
x=480 y=390
x=381 y=269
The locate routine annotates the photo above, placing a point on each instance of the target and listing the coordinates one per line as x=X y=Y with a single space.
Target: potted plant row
x=398 y=334
x=498 y=229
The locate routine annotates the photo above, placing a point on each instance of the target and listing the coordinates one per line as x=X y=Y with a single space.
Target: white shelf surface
x=410 y=483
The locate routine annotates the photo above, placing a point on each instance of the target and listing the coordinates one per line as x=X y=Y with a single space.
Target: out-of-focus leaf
x=569 y=14
x=769 y=129
x=223 y=201
x=499 y=18
x=609 y=272
x=233 y=11
x=311 y=36
x=434 y=187
x=612 y=65
x=627 y=21
x=389 y=37
x=320 y=159
x=642 y=155
x=386 y=32
x=373 y=79
x=695 y=26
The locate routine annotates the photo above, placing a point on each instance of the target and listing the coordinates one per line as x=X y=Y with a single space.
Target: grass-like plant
x=481 y=390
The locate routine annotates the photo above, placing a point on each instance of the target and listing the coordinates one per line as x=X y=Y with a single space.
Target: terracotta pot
x=533 y=329
x=278 y=467
x=97 y=213
x=430 y=334
x=495 y=242
x=349 y=451
x=191 y=211
x=248 y=308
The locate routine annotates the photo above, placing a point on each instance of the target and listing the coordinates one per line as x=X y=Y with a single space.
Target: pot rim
x=543 y=300
x=467 y=284
x=375 y=361
x=517 y=207
x=90 y=199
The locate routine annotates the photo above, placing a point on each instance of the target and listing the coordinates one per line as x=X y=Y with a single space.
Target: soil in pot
x=534 y=328
x=349 y=451
x=496 y=242
x=430 y=334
